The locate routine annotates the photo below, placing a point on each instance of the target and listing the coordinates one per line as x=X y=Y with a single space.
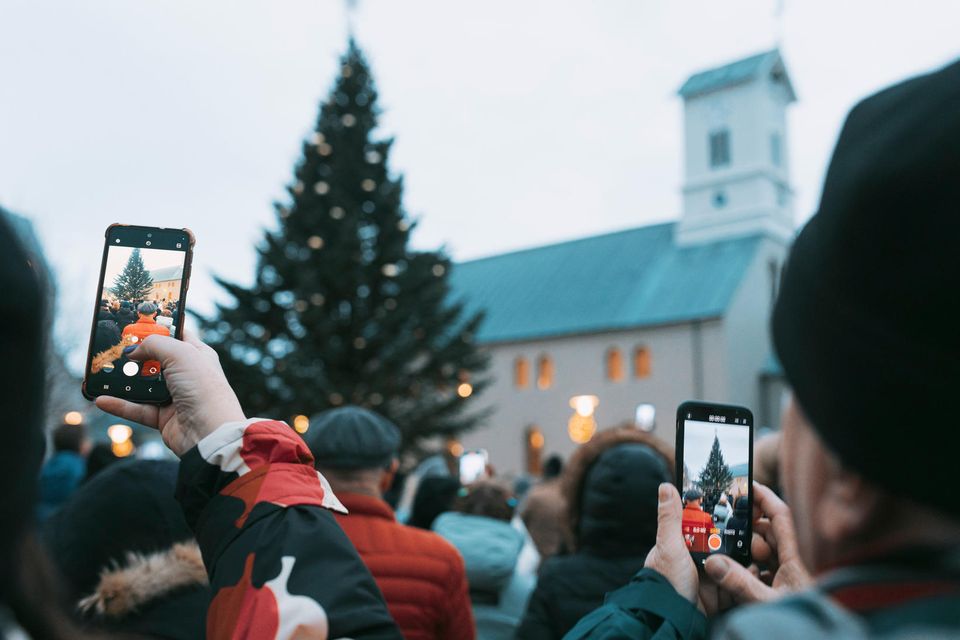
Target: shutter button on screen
x=150 y=368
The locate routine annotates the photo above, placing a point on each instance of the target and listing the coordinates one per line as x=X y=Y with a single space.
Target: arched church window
x=719 y=148
x=544 y=372
x=521 y=373
x=614 y=364
x=641 y=362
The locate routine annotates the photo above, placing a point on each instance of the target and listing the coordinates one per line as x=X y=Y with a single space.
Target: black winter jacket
x=611 y=487
x=569 y=588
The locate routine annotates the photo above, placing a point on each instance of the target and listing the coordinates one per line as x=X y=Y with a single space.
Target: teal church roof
x=740 y=470
x=633 y=278
x=167 y=273
x=733 y=73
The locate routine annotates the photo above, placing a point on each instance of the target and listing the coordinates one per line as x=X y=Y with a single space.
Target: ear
x=386 y=478
x=847 y=508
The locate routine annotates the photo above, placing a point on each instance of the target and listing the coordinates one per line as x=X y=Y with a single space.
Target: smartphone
x=144 y=277
x=473 y=466
x=715 y=479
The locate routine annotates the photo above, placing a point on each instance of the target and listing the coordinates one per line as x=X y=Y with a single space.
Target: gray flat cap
x=352 y=438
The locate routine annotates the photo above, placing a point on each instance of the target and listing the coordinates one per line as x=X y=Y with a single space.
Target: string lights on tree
x=342 y=309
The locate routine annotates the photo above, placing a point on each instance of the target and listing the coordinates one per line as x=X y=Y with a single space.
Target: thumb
x=162 y=348
x=669 y=516
x=736 y=580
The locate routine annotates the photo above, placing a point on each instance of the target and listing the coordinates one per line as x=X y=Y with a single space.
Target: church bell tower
x=736 y=178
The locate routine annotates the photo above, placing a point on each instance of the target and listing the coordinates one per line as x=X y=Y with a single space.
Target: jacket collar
x=359 y=504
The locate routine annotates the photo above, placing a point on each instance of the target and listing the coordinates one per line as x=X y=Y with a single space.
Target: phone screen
x=141 y=293
x=716 y=442
x=473 y=466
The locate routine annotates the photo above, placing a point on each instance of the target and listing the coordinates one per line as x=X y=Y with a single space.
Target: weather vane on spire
x=351 y=12
x=777 y=21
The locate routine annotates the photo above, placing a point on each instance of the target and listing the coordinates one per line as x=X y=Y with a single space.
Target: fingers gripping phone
x=715 y=478
x=144 y=277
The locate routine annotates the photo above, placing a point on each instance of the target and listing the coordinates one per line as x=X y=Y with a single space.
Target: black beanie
x=867 y=324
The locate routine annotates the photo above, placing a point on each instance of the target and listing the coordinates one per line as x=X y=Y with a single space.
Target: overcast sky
x=698 y=441
x=517 y=123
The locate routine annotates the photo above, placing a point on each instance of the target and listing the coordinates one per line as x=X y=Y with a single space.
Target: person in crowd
x=278 y=564
x=435 y=494
x=146 y=324
x=543 y=511
x=610 y=489
x=66 y=468
x=479 y=526
x=696 y=522
x=739 y=519
x=125 y=315
x=106 y=314
x=865 y=326
x=420 y=574
x=106 y=336
x=127 y=556
x=100 y=457
x=721 y=511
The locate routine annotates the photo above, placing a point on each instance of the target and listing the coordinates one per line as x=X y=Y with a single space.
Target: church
x=621 y=328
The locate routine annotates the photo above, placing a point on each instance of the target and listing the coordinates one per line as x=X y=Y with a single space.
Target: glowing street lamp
x=301 y=423
x=646 y=416
x=121 y=439
x=582 y=425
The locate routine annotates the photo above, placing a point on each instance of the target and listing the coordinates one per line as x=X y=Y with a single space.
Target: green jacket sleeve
x=648 y=607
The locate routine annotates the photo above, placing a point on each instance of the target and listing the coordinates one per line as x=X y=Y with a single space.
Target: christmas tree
x=134 y=282
x=343 y=311
x=715 y=477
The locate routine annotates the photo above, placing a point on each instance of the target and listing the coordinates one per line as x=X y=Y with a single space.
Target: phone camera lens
x=149 y=235
x=148 y=243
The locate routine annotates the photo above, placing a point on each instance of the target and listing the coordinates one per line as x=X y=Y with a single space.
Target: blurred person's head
x=355 y=449
x=147 y=310
x=692 y=499
x=616 y=469
x=723 y=499
x=486 y=498
x=865 y=327
x=435 y=494
x=28 y=590
x=72 y=438
x=100 y=457
x=552 y=467
x=110 y=539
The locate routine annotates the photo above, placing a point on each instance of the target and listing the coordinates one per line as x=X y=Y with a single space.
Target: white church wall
x=579 y=369
x=747 y=329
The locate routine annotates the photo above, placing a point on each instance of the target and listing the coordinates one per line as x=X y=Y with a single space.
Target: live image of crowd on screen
x=716 y=508
x=141 y=294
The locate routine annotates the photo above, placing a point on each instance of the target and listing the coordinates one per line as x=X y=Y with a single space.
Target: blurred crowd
x=258 y=532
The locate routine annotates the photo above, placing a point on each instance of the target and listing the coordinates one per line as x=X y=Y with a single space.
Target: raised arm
x=279 y=565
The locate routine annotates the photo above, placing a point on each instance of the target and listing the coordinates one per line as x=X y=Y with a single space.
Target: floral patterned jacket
x=279 y=565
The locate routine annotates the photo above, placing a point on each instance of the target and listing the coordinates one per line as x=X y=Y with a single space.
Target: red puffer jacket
x=420 y=574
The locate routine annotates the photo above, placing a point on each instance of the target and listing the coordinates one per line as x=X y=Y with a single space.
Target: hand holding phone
x=715 y=478
x=202 y=399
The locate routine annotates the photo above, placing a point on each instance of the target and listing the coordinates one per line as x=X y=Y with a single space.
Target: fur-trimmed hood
x=610 y=486
x=145 y=578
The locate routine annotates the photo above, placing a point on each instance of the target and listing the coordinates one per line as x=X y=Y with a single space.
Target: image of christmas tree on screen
x=141 y=294
x=715 y=477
